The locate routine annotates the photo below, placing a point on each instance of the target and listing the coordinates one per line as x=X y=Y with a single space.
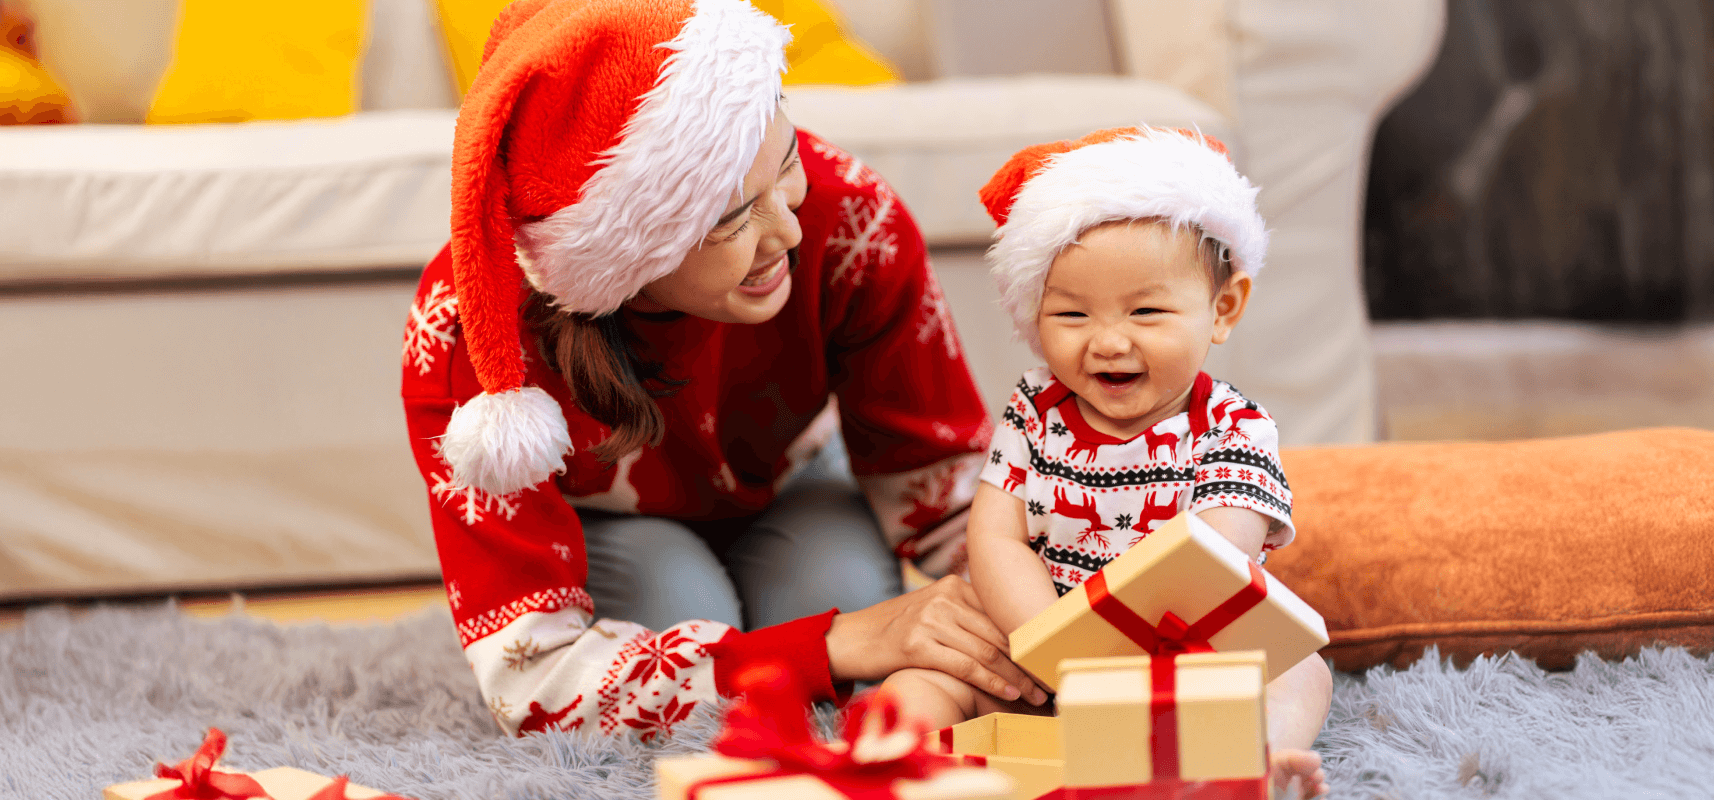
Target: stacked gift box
x=1160 y=662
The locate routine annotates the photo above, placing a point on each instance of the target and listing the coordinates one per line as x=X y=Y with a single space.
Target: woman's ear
x=1229 y=304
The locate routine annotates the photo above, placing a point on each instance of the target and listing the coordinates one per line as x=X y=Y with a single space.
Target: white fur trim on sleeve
x=506 y=442
x=1157 y=174
x=676 y=166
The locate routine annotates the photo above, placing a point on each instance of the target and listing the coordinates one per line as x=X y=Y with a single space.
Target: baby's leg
x=943 y=700
x=1298 y=701
x=935 y=697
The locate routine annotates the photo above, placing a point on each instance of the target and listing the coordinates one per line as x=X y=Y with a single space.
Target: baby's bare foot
x=1305 y=765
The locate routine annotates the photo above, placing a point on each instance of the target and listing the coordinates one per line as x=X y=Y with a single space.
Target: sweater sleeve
x=1238 y=464
x=515 y=573
x=913 y=419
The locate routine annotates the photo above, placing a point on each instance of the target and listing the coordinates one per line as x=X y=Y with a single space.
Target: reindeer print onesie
x=1089 y=496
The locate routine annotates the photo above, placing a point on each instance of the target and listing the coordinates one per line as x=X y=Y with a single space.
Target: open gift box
x=1177 y=726
x=1183 y=588
x=1023 y=746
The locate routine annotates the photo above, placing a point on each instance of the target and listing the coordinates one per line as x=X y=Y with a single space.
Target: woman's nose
x=787 y=231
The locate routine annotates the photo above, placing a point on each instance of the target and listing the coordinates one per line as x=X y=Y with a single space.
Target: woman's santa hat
x=1048 y=195
x=600 y=142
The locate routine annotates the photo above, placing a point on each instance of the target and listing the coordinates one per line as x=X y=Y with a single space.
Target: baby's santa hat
x=600 y=142
x=1047 y=195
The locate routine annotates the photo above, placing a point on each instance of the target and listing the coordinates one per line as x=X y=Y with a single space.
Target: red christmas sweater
x=866 y=324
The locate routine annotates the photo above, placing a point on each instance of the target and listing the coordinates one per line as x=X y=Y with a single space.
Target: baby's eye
x=1146 y=311
x=1069 y=314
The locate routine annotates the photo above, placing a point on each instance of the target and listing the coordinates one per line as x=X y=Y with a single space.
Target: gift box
x=716 y=777
x=766 y=750
x=197 y=777
x=1183 y=588
x=279 y=783
x=1172 y=726
x=1023 y=746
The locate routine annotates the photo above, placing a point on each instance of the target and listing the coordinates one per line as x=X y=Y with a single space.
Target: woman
x=655 y=287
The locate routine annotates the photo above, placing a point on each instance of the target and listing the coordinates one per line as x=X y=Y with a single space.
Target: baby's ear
x=1229 y=304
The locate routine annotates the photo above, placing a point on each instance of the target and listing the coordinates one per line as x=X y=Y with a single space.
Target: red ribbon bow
x=1166 y=641
x=199 y=780
x=770 y=722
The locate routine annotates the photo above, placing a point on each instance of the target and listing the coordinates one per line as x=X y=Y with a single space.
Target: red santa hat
x=1048 y=195
x=599 y=143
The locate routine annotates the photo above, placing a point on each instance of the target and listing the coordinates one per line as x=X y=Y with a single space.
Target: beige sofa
x=199 y=326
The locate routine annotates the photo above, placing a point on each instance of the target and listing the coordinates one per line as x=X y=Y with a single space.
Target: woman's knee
x=655 y=572
x=818 y=548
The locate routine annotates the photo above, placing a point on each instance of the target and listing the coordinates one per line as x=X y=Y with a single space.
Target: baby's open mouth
x=1118 y=378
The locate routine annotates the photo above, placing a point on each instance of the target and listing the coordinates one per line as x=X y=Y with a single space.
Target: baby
x=1122 y=257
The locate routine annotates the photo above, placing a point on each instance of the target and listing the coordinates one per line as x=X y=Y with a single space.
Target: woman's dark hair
x=600 y=366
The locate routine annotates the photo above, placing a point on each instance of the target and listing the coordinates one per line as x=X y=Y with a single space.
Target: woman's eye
x=735 y=234
x=1069 y=314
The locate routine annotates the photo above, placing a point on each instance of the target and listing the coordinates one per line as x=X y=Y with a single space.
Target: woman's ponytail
x=595 y=357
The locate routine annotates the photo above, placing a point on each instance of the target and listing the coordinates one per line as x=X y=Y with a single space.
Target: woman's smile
x=763 y=281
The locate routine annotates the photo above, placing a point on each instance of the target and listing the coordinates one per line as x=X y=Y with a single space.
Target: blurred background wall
x=1539 y=224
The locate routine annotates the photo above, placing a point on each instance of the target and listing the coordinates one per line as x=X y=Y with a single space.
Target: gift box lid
x=1187 y=568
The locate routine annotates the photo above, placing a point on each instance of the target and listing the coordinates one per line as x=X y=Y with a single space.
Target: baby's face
x=1127 y=318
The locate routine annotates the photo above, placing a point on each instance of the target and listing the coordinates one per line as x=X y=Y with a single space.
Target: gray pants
x=817 y=547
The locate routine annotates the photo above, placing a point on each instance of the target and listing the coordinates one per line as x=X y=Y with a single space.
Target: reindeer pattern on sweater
x=1089 y=496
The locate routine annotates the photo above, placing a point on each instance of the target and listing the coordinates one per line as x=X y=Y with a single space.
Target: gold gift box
x=281 y=783
x=675 y=777
x=1023 y=746
x=1107 y=719
x=1187 y=568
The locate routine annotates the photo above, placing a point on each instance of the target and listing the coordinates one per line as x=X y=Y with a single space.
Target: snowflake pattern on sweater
x=865 y=317
x=1089 y=496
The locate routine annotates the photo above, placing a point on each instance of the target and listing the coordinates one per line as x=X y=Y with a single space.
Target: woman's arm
x=1008 y=576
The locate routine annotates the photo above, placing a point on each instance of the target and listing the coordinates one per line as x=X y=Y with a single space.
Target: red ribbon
x=769 y=722
x=198 y=780
x=1172 y=635
x=1166 y=641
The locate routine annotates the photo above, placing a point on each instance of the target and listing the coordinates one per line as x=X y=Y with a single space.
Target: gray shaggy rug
x=88 y=700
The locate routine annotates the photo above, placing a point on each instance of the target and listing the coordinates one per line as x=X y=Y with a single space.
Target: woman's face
x=739 y=272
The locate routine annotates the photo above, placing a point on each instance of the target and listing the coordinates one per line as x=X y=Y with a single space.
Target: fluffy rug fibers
x=91 y=699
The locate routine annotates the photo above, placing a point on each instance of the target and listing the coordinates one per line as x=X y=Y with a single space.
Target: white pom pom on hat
x=1048 y=195
x=600 y=141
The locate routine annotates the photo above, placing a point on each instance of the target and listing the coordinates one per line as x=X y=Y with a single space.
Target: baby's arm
x=1008 y=576
x=1241 y=526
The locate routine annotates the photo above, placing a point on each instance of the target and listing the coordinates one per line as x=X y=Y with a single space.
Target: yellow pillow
x=241 y=60
x=464 y=25
x=820 y=52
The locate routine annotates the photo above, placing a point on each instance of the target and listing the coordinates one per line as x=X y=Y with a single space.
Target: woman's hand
x=939 y=627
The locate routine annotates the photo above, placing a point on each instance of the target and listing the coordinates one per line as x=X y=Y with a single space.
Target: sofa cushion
x=938 y=141
x=80 y=202
x=1548 y=547
x=110 y=56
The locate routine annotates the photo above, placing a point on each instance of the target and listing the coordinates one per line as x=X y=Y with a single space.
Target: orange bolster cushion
x=1548 y=547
